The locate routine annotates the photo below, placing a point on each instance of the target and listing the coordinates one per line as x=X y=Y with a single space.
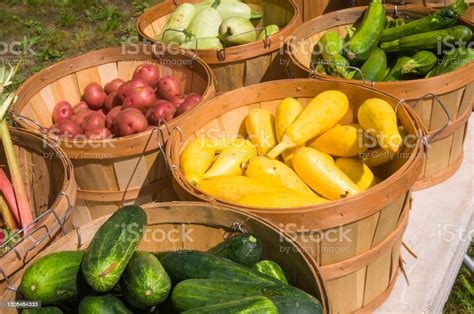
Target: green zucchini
x=331 y=46
x=245 y=249
x=375 y=67
x=107 y=304
x=441 y=19
x=205 y=24
x=183 y=265
x=270 y=30
x=112 y=247
x=43 y=310
x=53 y=279
x=179 y=20
x=368 y=34
x=421 y=63
x=395 y=73
x=429 y=40
x=271 y=269
x=453 y=59
x=251 y=305
x=202 y=43
x=145 y=282
x=195 y=293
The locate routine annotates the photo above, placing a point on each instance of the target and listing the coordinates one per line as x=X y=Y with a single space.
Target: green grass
x=46 y=31
x=461 y=299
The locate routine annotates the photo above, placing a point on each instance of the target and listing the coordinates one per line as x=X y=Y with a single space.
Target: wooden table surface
x=441 y=224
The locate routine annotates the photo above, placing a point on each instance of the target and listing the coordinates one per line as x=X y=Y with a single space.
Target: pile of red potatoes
x=123 y=108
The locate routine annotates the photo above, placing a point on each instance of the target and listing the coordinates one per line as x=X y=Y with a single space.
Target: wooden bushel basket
x=242 y=65
x=205 y=226
x=119 y=170
x=359 y=270
x=310 y=8
x=454 y=91
x=51 y=189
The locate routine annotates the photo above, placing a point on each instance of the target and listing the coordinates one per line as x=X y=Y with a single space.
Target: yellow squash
x=322 y=175
x=230 y=160
x=260 y=125
x=197 y=157
x=342 y=141
x=321 y=114
x=267 y=169
x=377 y=156
x=287 y=112
x=377 y=117
x=357 y=171
x=233 y=188
x=280 y=200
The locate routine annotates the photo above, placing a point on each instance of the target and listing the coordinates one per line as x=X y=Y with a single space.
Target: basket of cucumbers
x=240 y=40
x=422 y=56
x=173 y=258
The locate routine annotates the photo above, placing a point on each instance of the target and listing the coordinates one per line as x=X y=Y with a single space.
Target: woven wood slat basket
x=200 y=226
x=241 y=65
x=51 y=189
x=455 y=90
x=360 y=270
x=127 y=169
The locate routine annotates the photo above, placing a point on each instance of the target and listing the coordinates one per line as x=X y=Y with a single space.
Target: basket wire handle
x=431 y=138
x=313 y=72
x=27 y=119
x=267 y=42
x=161 y=142
x=237 y=227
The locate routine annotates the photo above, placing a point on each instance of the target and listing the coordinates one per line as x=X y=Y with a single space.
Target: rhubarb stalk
x=6 y=214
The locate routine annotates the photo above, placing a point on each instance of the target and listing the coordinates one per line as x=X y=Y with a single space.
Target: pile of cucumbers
x=213 y=24
x=385 y=48
x=112 y=276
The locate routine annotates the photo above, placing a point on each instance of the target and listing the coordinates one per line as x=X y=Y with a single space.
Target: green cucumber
x=43 y=310
x=112 y=247
x=107 y=304
x=145 y=282
x=268 y=31
x=179 y=20
x=183 y=265
x=395 y=73
x=331 y=46
x=375 y=67
x=53 y=279
x=195 y=293
x=421 y=63
x=271 y=269
x=429 y=40
x=441 y=19
x=453 y=59
x=251 y=305
x=368 y=34
x=245 y=249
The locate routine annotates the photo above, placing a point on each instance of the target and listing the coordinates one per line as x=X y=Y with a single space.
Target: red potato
x=98 y=134
x=62 y=111
x=142 y=98
x=113 y=86
x=128 y=122
x=148 y=73
x=93 y=120
x=80 y=107
x=162 y=111
x=190 y=101
x=111 y=116
x=79 y=118
x=68 y=128
x=125 y=89
x=177 y=100
x=94 y=95
x=168 y=87
x=112 y=100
